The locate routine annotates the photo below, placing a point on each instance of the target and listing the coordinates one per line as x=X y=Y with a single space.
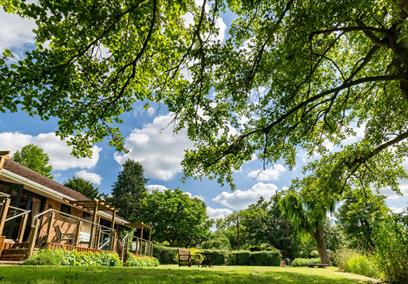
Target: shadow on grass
x=53 y=274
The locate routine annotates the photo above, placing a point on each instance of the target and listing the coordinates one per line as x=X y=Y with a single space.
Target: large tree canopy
x=176 y=218
x=291 y=74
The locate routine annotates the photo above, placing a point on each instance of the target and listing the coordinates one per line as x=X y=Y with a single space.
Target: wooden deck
x=71 y=247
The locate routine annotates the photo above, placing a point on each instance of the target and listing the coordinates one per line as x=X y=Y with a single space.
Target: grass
x=173 y=274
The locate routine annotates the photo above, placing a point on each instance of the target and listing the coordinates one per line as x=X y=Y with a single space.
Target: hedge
x=273 y=257
x=305 y=261
x=141 y=261
x=260 y=258
x=74 y=258
x=165 y=255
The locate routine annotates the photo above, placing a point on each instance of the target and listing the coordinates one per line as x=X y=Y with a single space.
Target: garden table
x=208 y=259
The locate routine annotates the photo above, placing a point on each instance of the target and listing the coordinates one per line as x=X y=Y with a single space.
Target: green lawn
x=172 y=274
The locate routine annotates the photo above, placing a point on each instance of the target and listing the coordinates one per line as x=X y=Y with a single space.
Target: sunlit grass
x=173 y=274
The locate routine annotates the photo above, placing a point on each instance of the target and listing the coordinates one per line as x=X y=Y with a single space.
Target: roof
x=23 y=171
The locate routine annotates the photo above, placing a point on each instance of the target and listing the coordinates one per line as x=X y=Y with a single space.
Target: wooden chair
x=184 y=257
x=60 y=236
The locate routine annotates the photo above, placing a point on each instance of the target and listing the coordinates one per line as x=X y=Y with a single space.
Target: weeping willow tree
x=307 y=208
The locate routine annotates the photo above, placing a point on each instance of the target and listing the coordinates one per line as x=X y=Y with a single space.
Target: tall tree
x=307 y=209
x=360 y=212
x=176 y=217
x=291 y=73
x=129 y=190
x=35 y=158
x=83 y=186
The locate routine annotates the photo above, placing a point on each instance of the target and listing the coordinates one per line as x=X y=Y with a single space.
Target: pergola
x=95 y=205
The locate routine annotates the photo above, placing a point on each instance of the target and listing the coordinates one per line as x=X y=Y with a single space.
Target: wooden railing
x=56 y=229
x=141 y=247
x=71 y=247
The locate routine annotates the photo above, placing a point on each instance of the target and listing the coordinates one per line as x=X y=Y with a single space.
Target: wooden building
x=37 y=212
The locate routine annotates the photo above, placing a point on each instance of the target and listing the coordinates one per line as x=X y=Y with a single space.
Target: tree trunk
x=321 y=246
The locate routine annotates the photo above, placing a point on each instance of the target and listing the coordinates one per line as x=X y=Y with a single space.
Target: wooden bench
x=61 y=237
x=320 y=265
x=184 y=257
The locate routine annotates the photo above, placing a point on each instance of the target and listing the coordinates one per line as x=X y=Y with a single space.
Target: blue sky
x=149 y=141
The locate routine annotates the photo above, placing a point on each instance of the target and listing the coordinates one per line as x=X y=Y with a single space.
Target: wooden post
x=22 y=228
x=4 y=213
x=51 y=221
x=141 y=232
x=33 y=238
x=150 y=234
x=113 y=233
x=93 y=228
x=78 y=233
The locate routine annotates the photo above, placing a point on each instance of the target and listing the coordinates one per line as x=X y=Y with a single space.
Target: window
x=65 y=208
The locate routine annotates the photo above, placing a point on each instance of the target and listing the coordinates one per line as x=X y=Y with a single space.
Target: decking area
x=38 y=213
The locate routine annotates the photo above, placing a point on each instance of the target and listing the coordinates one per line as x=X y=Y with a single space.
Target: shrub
x=141 y=261
x=219 y=243
x=262 y=258
x=305 y=261
x=361 y=264
x=47 y=257
x=341 y=256
x=391 y=242
x=165 y=255
x=220 y=257
x=74 y=258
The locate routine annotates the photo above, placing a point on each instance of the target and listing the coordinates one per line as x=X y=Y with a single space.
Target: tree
x=307 y=209
x=358 y=215
x=83 y=186
x=261 y=224
x=176 y=218
x=291 y=75
x=129 y=190
x=35 y=158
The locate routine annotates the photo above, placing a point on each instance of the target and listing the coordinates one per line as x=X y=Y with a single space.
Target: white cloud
x=89 y=176
x=157 y=148
x=15 y=31
x=151 y=111
x=156 y=187
x=57 y=149
x=217 y=213
x=269 y=174
x=241 y=199
x=161 y=188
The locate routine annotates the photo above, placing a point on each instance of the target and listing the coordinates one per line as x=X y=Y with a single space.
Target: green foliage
x=217 y=242
x=74 y=258
x=83 y=186
x=391 y=242
x=362 y=264
x=262 y=226
x=129 y=190
x=259 y=258
x=141 y=261
x=35 y=158
x=360 y=211
x=176 y=218
x=307 y=209
x=305 y=261
x=165 y=255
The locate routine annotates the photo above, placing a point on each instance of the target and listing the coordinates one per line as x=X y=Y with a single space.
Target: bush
x=74 y=258
x=141 y=261
x=362 y=264
x=220 y=257
x=305 y=261
x=391 y=242
x=261 y=258
x=219 y=243
x=165 y=255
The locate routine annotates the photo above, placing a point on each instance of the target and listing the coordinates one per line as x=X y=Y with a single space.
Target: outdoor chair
x=60 y=236
x=184 y=257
